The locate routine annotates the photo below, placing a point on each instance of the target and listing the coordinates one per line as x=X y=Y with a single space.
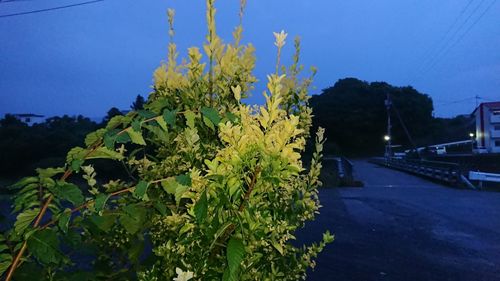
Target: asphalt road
x=401 y=227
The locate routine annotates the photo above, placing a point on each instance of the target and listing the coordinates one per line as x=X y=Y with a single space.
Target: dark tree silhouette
x=112 y=112
x=138 y=104
x=355 y=118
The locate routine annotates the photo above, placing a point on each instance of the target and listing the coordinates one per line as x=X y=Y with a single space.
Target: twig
x=88 y=203
x=66 y=174
x=241 y=208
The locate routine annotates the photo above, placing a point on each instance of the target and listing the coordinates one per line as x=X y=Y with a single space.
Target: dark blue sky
x=86 y=59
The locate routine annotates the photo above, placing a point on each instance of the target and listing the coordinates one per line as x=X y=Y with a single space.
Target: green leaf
x=231 y=117
x=104 y=222
x=104 y=153
x=44 y=245
x=208 y=123
x=24 y=219
x=76 y=153
x=4 y=265
x=49 y=172
x=169 y=185
x=110 y=139
x=133 y=218
x=77 y=164
x=184 y=179
x=73 y=239
x=211 y=114
x=161 y=122
x=115 y=121
x=160 y=207
x=181 y=189
x=170 y=116
x=136 y=137
x=146 y=114
x=141 y=189
x=136 y=125
x=190 y=116
x=63 y=222
x=25 y=181
x=201 y=208
x=158 y=132
x=123 y=138
x=235 y=253
x=100 y=202
x=277 y=246
x=94 y=137
x=68 y=191
x=134 y=252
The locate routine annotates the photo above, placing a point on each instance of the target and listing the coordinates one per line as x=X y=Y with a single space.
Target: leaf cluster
x=215 y=190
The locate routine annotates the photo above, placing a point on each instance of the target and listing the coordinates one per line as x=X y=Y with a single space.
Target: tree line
x=23 y=147
x=354 y=114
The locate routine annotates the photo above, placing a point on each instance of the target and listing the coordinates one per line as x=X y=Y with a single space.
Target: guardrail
x=482 y=177
x=443 y=171
x=342 y=169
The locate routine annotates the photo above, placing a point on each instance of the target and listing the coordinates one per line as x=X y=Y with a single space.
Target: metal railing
x=484 y=177
x=341 y=169
x=443 y=171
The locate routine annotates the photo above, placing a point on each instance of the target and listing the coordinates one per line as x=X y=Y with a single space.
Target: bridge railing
x=339 y=171
x=443 y=171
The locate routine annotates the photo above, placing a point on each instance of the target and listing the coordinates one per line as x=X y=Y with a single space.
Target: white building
x=29 y=118
x=487 y=137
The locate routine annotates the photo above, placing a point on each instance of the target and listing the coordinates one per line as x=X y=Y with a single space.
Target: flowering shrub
x=215 y=190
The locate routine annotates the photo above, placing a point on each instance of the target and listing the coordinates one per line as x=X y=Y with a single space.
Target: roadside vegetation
x=213 y=189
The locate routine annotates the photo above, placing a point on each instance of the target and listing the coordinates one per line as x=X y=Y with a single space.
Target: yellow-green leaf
x=136 y=137
x=24 y=219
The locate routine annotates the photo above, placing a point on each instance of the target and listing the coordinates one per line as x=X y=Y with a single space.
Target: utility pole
x=388 y=137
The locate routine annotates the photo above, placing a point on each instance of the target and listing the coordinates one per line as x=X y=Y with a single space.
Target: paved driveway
x=401 y=227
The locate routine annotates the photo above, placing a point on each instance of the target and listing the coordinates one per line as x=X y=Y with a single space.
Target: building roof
x=27 y=115
x=487 y=104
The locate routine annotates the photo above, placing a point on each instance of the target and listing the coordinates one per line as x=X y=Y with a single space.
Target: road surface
x=401 y=227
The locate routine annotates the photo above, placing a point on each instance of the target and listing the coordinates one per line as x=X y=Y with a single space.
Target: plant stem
x=241 y=208
x=88 y=203
x=66 y=174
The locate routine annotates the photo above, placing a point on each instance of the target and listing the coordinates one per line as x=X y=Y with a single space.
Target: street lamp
x=388 y=152
x=471 y=135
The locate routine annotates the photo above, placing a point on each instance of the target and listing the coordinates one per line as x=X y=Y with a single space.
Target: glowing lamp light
x=387 y=138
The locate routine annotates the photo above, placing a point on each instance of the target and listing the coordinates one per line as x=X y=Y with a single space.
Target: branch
x=88 y=203
x=66 y=175
x=251 y=186
x=250 y=189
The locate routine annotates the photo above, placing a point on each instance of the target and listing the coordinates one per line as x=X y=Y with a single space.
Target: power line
x=50 y=9
x=477 y=98
x=455 y=102
x=8 y=1
x=429 y=51
x=445 y=47
x=463 y=34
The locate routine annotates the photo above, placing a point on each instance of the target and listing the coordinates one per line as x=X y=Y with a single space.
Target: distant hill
x=354 y=116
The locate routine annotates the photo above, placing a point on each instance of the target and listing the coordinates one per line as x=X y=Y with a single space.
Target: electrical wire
x=50 y=9
x=463 y=35
x=429 y=51
x=445 y=48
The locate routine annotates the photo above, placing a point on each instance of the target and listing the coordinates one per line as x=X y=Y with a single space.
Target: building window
x=497 y=143
x=497 y=127
x=496 y=112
